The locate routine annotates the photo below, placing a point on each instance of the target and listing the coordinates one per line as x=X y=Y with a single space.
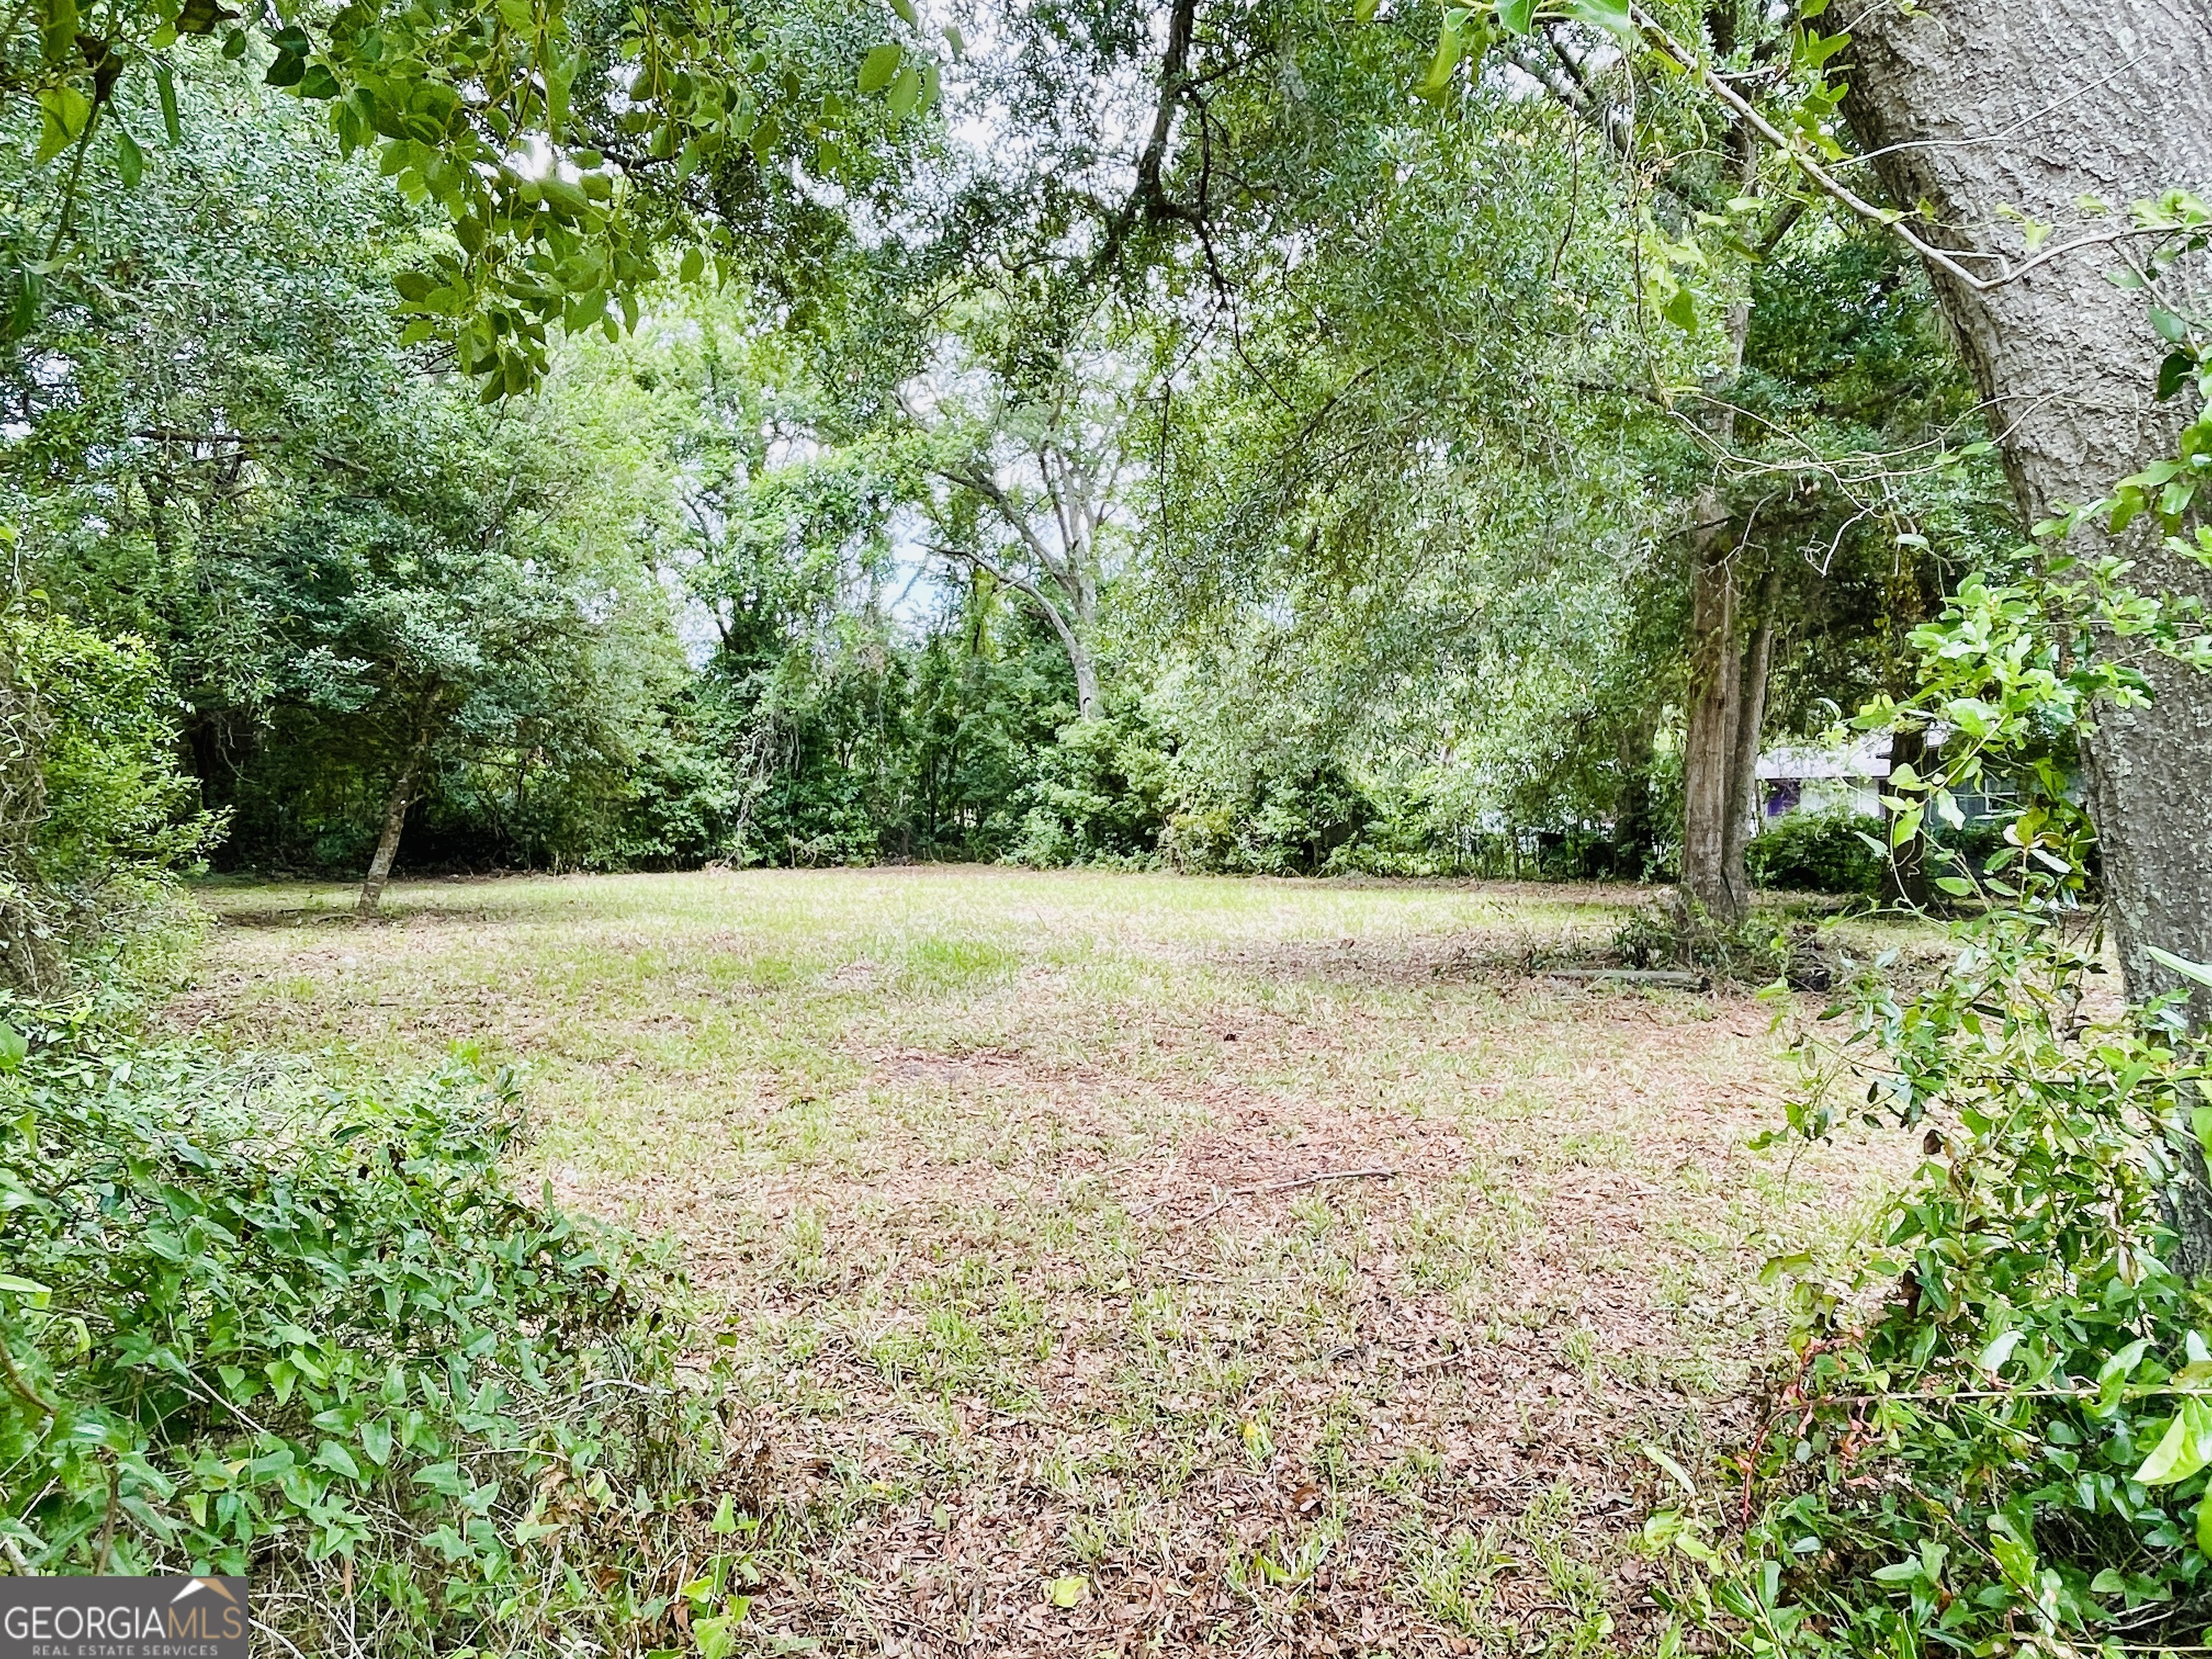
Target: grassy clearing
x=1047 y=1340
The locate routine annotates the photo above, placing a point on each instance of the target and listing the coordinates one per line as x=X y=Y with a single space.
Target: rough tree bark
x=1728 y=678
x=1751 y=724
x=395 y=818
x=1709 y=742
x=1905 y=880
x=1991 y=111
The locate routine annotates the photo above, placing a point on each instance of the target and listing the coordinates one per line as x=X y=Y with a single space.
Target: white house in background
x=1850 y=777
x=1819 y=778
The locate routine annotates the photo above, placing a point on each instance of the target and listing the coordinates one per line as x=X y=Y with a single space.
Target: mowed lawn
x=1128 y=1263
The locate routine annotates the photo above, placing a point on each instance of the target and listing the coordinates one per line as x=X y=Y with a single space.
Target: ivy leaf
x=14 y=1046
x=376 y=1440
x=1516 y=16
x=1993 y=1357
x=2173 y=373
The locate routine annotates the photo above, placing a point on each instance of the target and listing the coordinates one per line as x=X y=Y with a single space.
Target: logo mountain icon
x=192 y=1586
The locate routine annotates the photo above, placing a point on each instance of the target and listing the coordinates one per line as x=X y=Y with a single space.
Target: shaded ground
x=1120 y=1264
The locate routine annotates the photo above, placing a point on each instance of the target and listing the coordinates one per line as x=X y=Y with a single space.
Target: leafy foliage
x=256 y=1324
x=1816 y=852
x=1993 y=1424
x=95 y=816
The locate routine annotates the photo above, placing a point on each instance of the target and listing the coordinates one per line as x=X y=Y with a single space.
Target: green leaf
x=336 y=1459
x=131 y=168
x=1993 y=1357
x=13 y=1047
x=905 y=9
x=1675 y=1469
x=1069 y=1591
x=2180 y=1453
x=877 y=68
x=165 y=82
x=2016 y=1558
x=1516 y=16
x=376 y=1440
x=2173 y=373
x=2181 y=965
x=2170 y=327
x=1611 y=15
x=694 y=263
x=904 y=91
x=67 y=111
x=1451 y=45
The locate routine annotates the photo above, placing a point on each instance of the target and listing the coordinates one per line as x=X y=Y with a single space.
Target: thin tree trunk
x=1906 y=879
x=1089 y=705
x=1750 y=722
x=1999 y=114
x=1716 y=693
x=1633 y=831
x=395 y=818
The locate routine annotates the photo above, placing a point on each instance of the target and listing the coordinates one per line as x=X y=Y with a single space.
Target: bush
x=96 y=818
x=1817 y=853
x=251 y=1325
x=1994 y=1432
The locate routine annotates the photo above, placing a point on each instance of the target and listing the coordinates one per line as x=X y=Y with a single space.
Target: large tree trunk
x=1990 y=111
x=395 y=818
x=1994 y=112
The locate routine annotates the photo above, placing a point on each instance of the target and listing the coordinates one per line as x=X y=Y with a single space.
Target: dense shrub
x=1817 y=853
x=252 y=1325
x=1993 y=1430
x=96 y=818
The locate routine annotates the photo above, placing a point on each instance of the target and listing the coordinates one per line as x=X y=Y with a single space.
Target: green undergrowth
x=250 y=1324
x=1993 y=1430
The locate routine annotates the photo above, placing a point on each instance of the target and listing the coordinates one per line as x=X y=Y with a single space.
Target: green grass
x=977 y=1166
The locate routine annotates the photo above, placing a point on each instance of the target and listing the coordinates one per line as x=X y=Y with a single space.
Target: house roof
x=1866 y=761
